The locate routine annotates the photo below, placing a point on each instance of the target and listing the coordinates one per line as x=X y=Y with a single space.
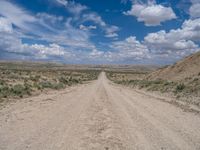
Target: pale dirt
x=97 y=116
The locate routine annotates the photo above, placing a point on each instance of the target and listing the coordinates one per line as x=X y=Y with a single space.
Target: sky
x=99 y=31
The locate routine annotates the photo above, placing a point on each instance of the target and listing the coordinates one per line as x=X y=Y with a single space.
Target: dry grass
x=17 y=81
x=187 y=89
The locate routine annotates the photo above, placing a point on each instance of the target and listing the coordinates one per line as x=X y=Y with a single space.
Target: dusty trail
x=97 y=116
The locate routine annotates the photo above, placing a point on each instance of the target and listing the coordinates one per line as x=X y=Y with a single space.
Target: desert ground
x=97 y=115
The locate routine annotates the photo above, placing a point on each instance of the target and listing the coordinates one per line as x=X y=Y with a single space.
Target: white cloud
x=178 y=42
x=86 y=28
x=9 y=43
x=159 y=46
x=95 y=18
x=16 y=15
x=190 y=30
x=111 y=31
x=79 y=15
x=62 y=2
x=94 y=54
x=194 y=10
x=5 y=25
x=76 y=8
x=70 y=38
x=169 y=46
x=44 y=17
x=72 y=7
x=23 y=19
x=43 y=51
x=130 y=48
x=111 y=35
x=50 y=28
x=151 y=15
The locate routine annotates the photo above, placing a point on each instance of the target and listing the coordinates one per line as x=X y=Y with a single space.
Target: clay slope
x=186 y=68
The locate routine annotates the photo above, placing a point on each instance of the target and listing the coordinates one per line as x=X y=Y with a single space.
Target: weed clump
x=180 y=88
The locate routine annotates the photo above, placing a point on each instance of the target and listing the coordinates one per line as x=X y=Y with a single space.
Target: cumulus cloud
x=46 y=27
x=190 y=30
x=54 y=30
x=129 y=48
x=194 y=10
x=171 y=45
x=179 y=42
x=43 y=51
x=94 y=54
x=65 y=42
x=151 y=15
x=9 y=43
x=70 y=39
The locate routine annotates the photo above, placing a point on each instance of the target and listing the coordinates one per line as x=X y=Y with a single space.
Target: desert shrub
x=49 y=85
x=158 y=82
x=27 y=88
x=195 y=79
x=59 y=86
x=17 y=89
x=37 y=86
x=46 y=84
x=20 y=90
x=180 y=88
x=35 y=78
x=166 y=83
x=63 y=80
x=4 y=91
x=2 y=82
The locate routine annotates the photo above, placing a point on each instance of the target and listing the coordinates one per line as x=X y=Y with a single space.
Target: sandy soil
x=97 y=116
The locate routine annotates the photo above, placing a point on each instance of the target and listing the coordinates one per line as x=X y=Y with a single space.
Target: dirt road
x=97 y=116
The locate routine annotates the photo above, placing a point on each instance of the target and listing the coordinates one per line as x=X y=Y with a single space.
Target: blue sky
x=99 y=31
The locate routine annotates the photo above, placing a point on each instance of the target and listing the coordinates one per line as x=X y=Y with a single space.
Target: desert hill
x=188 y=67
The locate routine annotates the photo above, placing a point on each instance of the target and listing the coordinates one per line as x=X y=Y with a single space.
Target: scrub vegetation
x=19 y=80
x=187 y=89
